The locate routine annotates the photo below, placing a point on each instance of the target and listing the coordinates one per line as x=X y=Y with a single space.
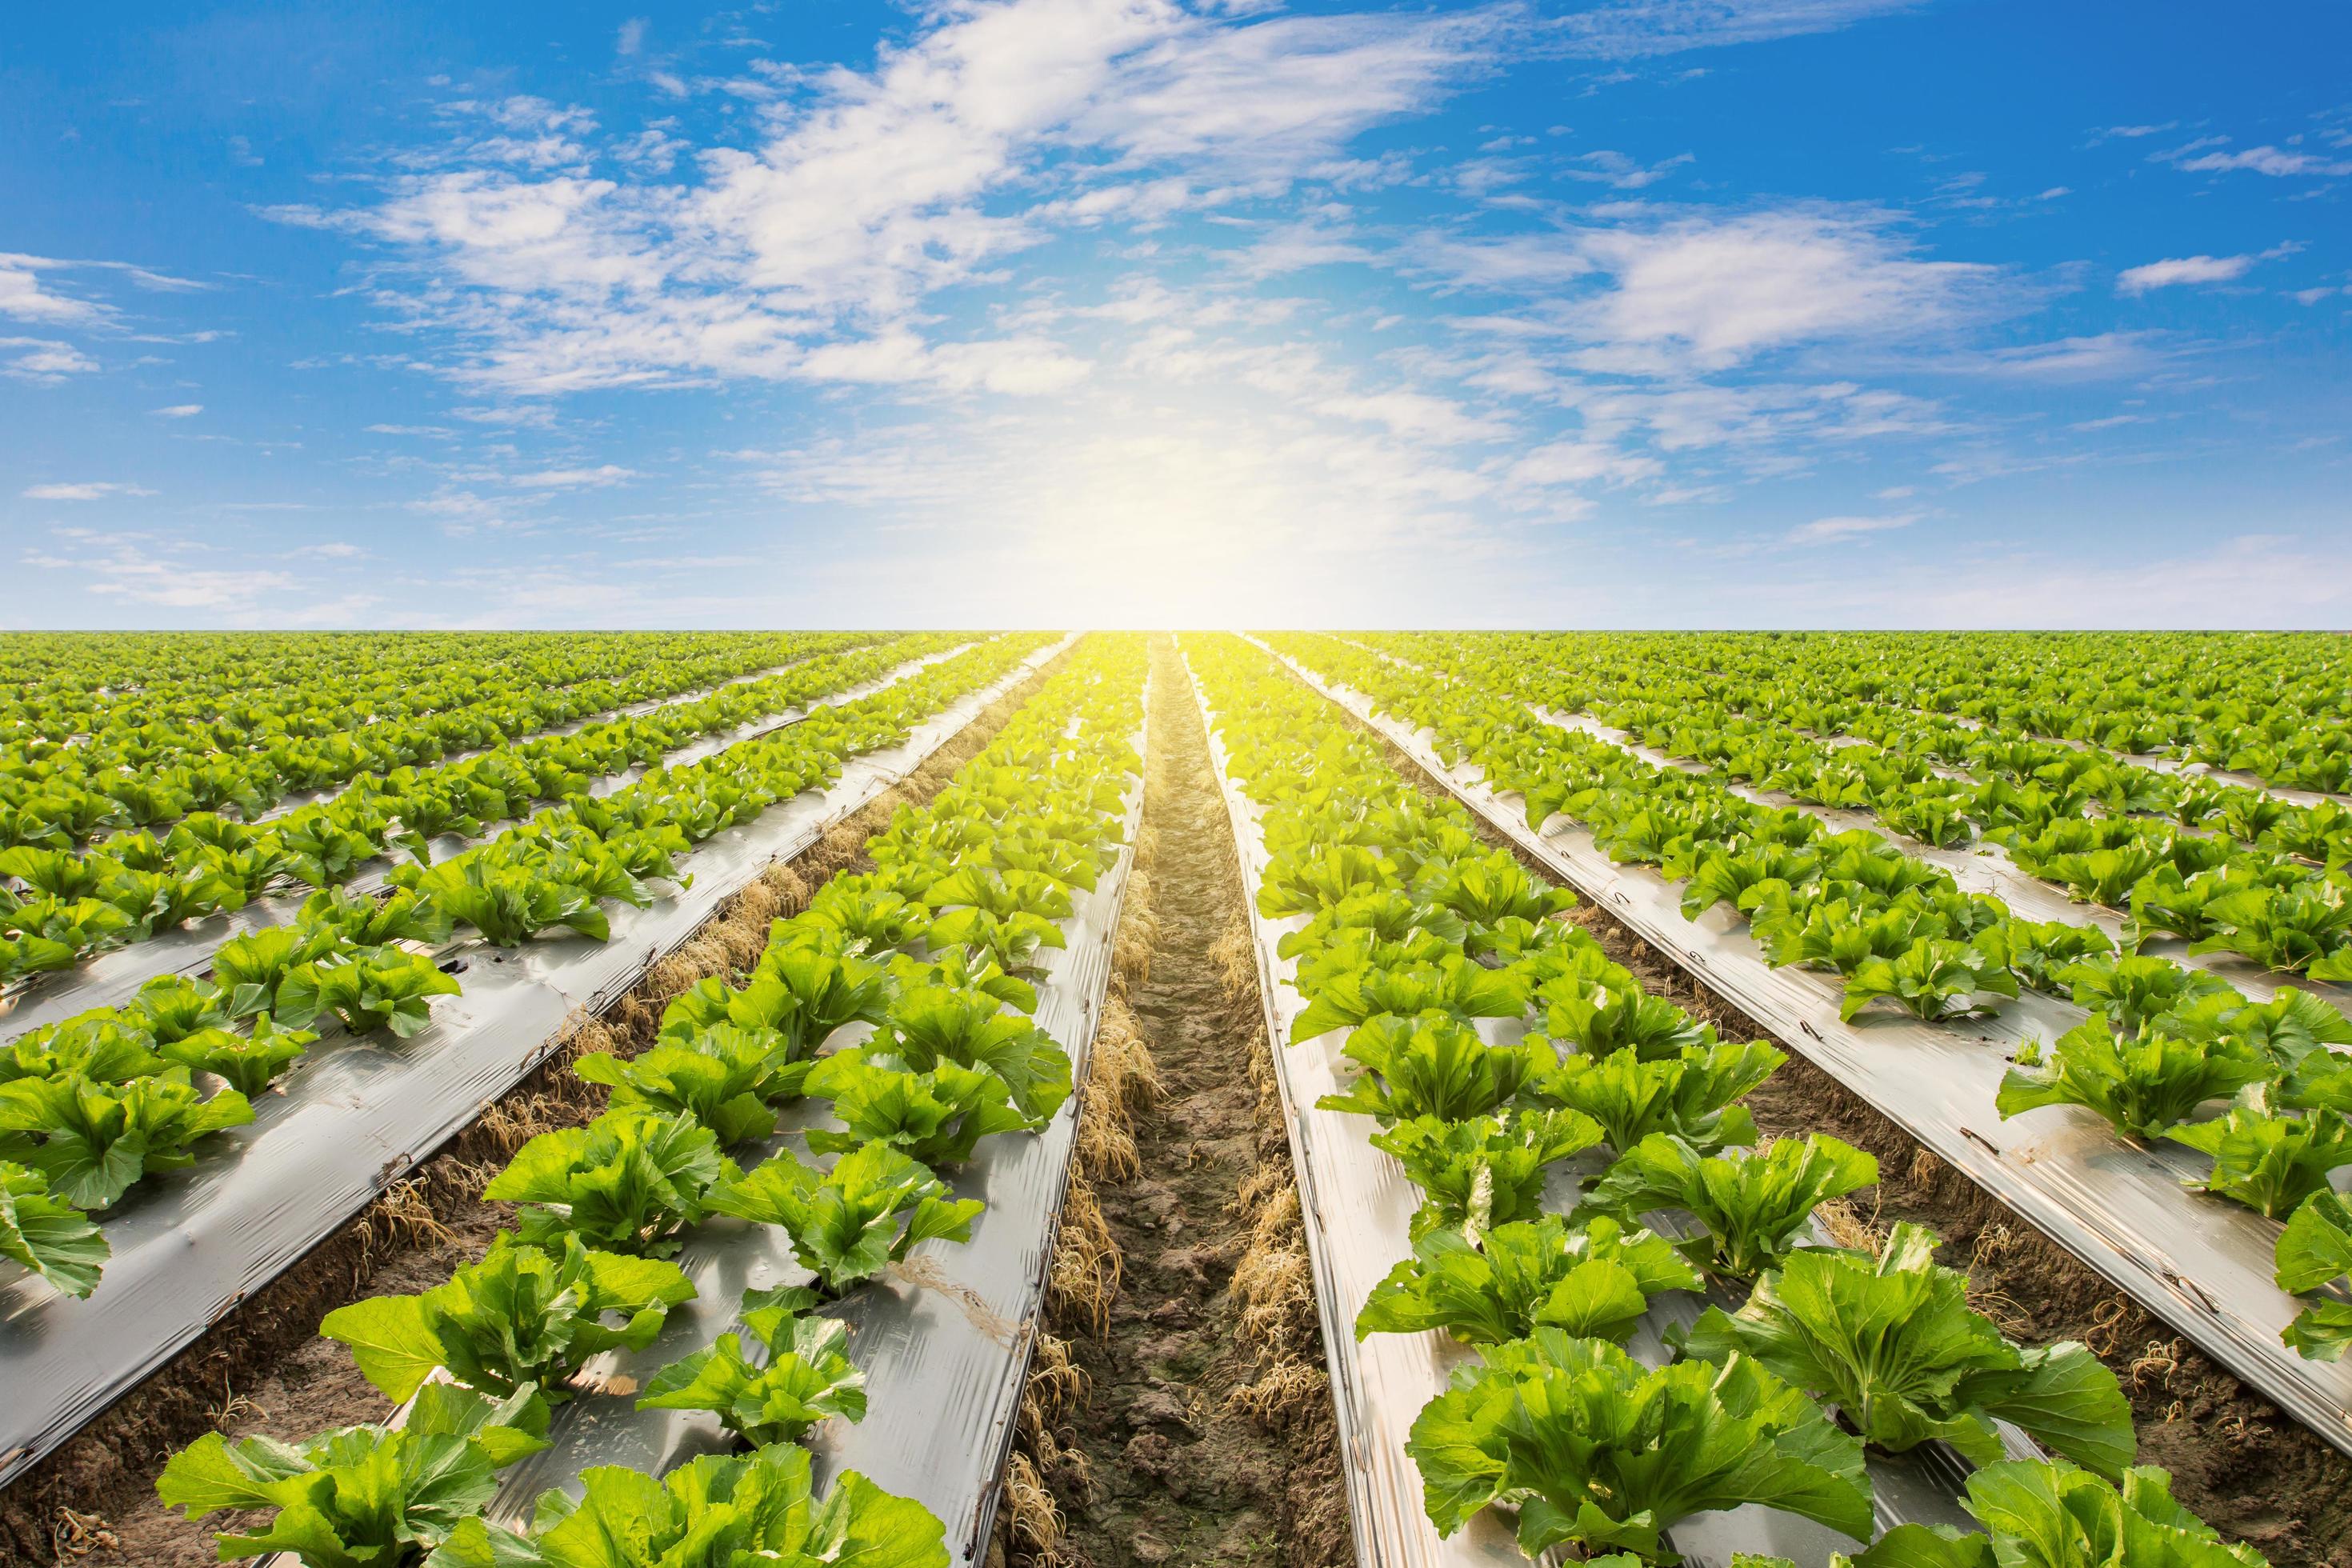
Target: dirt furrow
x=1189 y=1412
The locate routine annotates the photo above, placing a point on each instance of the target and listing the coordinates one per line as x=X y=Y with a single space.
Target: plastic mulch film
x=944 y=1339
x=1381 y=1382
x=110 y=979
x=191 y=1245
x=2204 y=1266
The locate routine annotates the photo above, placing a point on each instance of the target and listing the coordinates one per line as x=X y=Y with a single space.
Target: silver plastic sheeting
x=944 y=1339
x=191 y=1245
x=2203 y=1265
x=1381 y=1383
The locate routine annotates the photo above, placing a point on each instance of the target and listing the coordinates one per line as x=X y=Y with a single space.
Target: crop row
x=900 y=996
x=145 y=764
x=92 y=1105
x=65 y=901
x=2268 y=705
x=2223 y=867
x=1432 y=951
x=152 y=685
x=2159 y=1040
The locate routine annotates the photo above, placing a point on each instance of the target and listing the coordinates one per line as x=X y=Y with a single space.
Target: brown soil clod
x=262 y=1369
x=1201 y=1430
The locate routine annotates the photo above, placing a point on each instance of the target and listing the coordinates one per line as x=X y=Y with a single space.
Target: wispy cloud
x=91 y=492
x=179 y=411
x=1837 y=530
x=2182 y=269
x=1628 y=29
x=43 y=360
x=2205 y=156
x=573 y=479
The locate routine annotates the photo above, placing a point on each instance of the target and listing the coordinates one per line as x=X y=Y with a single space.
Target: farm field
x=1420 y=1099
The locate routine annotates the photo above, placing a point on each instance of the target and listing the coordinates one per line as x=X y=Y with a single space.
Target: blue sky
x=1649 y=313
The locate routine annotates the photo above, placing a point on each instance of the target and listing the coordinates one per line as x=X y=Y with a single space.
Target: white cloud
x=2265 y=160
x=178 y=411
x=43 y=360
x=1622 y=173
x=1832 y=529
x=1723 y=290
x=2181 y=270
x=631 y=38
x=97 y=491
x=573 y=479
x=1625 y=29
x=810 y=254
x=22 y=297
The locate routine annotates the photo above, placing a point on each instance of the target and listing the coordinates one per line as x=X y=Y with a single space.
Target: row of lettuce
x=98 y=1102
x=2225 y=868
x=2162 y=1041
x=152 y=693
x=902 y=997
x=1416 y=933
x=108 y=756
x=2271 y=706
x=66 y=893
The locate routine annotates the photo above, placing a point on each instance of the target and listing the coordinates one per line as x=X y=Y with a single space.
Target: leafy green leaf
x=1593 y=1449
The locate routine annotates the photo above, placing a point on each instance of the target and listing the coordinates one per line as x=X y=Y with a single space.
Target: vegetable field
x=687 y=1100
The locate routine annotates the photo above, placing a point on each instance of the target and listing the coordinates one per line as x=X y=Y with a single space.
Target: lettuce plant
x=1453 y=985
x=2044 y=1514
x=45 y=1235
x=1484 y=890
x=1488 y=1171
x=1434 y=1065
x=722 y=1511
x=847 y=1223
x=803 y=991
x=93 y=1140
x=249 y=969
x=726 y=1077
x=2314 y=1257
x=523 y=1315
x=1893 y=1344
x=806 y=1376
x=104 y=1047
x=1753 y=1203
x=626 y=1183
x=248 y=1062
x=1601 y=1018
x=1596 y=1449
x=2145 y=1084
x=1691 y=1094
x=1933 y=980
x=937 y=1116
x=1594 y=1279
x=362 y=1497
x=2280 y=928
x=933 y=1023
x=368 y=988
x=2269 y=1161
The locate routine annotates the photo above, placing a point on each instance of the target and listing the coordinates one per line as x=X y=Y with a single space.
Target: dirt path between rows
x=263 y=1370
x=2244 y=1465
x=1206 y=1434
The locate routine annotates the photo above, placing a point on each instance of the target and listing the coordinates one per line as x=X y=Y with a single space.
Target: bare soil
x=1205 y=1435
x=2246 y=1466
x=263 y=1370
